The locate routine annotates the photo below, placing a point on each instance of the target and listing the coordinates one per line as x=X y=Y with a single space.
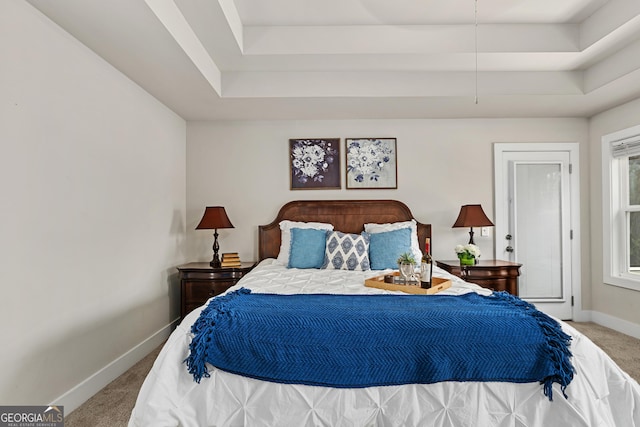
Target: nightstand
x=199 y=282
x=491 y=273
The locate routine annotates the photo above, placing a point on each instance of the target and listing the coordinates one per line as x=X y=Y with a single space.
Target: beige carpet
x=112 y=406
x=623 y=349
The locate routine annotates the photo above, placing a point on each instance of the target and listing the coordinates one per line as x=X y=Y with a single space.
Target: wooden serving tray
x=437 y=285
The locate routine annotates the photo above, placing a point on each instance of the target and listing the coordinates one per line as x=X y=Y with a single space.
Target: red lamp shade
x=214 y=217
x=472 y=216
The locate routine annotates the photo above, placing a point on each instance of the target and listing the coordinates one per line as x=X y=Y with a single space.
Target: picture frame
x=371 y=163
x=314 y=164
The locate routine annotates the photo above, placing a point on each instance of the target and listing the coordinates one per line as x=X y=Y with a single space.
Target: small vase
x=470 y=260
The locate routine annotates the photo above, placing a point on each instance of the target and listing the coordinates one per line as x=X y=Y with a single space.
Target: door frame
x=573 y=148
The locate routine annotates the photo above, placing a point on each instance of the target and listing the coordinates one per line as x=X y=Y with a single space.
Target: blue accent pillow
x=307 y=248
x=386 y=247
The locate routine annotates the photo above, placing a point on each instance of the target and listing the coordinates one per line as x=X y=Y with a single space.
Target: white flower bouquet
x=468 y=251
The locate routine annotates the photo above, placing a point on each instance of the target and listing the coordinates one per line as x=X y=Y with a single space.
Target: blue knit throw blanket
x=352 y=341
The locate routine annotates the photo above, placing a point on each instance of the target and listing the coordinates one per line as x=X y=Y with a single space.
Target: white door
x=535 y=224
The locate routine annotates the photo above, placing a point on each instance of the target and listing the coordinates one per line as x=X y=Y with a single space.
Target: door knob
x=509 y=249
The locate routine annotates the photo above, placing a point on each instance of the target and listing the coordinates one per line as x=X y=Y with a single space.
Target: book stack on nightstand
x=230 y=259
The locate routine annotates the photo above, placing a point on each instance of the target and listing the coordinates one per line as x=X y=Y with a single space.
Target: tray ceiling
x=334 y=59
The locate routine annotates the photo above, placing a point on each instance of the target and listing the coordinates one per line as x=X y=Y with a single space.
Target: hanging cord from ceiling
x=475 y=15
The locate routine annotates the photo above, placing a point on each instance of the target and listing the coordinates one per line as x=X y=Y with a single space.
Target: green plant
x=406 y=258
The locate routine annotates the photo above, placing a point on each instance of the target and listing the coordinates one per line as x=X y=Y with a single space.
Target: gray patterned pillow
x=346 y=251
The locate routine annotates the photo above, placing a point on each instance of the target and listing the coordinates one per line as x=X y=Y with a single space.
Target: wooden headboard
x=348 y=216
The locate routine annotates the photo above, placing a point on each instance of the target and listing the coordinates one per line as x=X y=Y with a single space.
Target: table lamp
x=472 y=216
x=214 y=217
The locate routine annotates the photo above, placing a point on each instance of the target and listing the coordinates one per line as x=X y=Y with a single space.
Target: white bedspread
x=601 y=394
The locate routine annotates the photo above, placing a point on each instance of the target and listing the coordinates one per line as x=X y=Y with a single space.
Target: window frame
x=615 y=209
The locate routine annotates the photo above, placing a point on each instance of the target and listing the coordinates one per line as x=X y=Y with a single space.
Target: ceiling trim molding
x=176 y=24
x=233 y=19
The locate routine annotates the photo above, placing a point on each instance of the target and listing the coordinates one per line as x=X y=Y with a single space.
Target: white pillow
x=285 y=236
x=412 y=225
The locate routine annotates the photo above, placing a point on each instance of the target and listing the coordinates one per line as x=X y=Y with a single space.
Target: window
x=621 y=208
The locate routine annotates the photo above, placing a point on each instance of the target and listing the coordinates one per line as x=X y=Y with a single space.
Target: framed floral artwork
x=371 y=163
x=314 y=163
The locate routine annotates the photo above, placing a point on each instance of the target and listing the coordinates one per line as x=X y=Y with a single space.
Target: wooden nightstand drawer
x=199 y=282
x=202 y=291
x=232 y=275
x=493 y=274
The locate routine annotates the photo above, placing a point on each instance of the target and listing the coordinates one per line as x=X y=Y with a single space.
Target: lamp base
x=215 y=262
x=471 y=242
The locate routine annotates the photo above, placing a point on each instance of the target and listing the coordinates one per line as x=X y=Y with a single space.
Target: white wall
x=442 y=164
x=612 y=302
x=92 y=177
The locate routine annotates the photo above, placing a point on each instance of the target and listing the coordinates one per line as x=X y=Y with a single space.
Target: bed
x=599 y=393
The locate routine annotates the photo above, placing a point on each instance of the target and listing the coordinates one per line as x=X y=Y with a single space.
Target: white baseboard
x=615 y=323
x=581 y=315
x=79 y=394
